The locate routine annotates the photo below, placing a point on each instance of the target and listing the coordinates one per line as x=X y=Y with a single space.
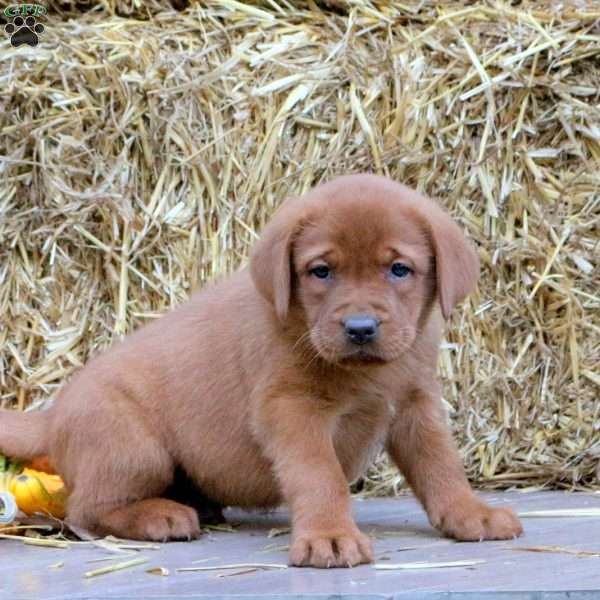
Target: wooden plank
x=401 y=534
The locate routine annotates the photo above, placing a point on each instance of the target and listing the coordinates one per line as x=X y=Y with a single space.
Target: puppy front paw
x=474 y=520
x=343 y=547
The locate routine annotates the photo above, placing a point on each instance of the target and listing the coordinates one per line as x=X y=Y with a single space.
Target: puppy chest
x=358 y=437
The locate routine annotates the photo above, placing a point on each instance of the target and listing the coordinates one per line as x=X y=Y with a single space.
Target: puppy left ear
x=271 y=259
x=456 y=261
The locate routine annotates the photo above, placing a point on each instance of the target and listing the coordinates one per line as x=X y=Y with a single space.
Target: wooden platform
x=402 y=535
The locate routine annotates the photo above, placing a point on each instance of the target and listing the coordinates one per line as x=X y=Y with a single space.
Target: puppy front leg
x=421 y=445
x=296 y=435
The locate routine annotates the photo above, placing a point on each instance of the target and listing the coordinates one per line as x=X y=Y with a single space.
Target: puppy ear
x=456 y=261
x=271 y=259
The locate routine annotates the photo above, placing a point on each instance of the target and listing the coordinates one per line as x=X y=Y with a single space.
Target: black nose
x=361 y=329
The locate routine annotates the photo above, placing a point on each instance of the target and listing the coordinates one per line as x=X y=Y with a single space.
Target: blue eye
x=321 y=272
x=400 y=270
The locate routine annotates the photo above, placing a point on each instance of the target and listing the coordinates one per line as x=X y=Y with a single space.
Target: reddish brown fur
x=253 y=390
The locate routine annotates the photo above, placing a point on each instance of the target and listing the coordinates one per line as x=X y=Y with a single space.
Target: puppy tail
x=24 y=435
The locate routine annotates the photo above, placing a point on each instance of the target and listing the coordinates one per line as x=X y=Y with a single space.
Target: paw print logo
x=24 y=31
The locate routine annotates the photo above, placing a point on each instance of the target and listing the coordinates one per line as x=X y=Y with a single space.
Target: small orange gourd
x=38 y=493
x=34 y=491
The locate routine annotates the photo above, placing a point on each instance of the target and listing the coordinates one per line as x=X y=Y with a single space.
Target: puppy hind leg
x=185 y=491
x=156 y=519
x=120 y=496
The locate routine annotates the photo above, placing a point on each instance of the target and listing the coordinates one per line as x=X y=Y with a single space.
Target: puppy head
x=361 y=259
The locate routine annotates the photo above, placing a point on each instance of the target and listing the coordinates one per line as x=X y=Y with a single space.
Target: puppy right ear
x=271 y=259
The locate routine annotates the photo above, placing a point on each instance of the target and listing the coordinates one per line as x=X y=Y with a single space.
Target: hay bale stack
x=141 y=157
x=126 y=8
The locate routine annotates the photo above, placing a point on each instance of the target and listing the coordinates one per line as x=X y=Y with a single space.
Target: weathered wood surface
x=396 y=524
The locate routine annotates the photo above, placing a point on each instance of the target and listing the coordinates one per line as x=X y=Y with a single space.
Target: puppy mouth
x=362 y=357
x=348 y=355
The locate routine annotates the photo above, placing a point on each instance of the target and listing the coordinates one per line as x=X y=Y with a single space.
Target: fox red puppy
x=278 y=384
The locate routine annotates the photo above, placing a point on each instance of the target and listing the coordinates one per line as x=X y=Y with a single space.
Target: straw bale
x=140 y=156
